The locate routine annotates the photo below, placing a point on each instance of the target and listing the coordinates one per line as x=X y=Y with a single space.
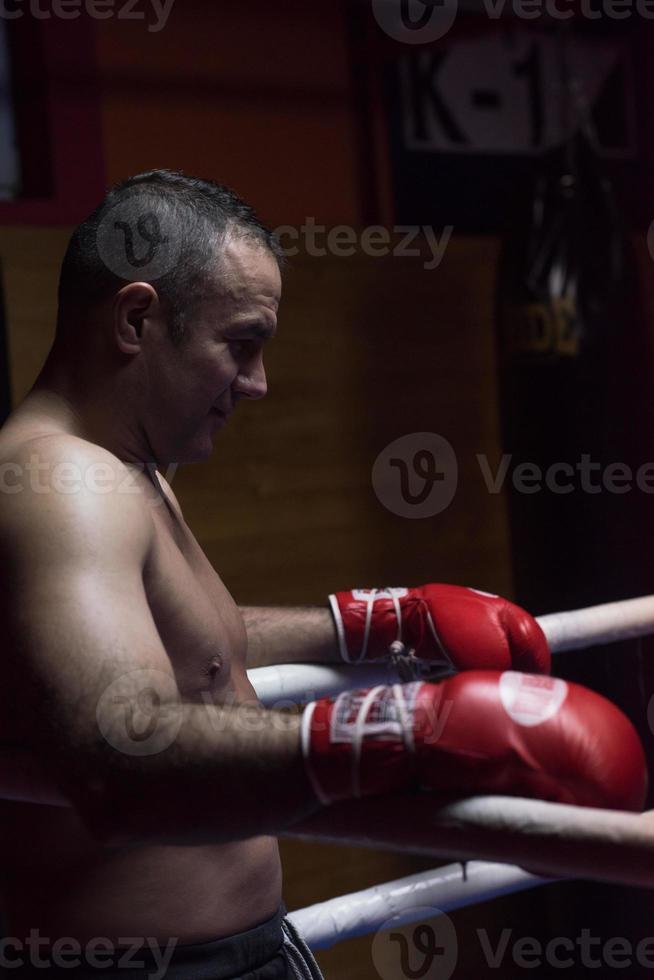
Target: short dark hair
x=202 y=215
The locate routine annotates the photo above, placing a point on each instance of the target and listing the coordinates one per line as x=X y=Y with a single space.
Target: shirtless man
x=125 y=660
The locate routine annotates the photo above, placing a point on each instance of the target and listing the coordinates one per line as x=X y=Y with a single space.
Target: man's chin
x=199 y=452
x=197 y=448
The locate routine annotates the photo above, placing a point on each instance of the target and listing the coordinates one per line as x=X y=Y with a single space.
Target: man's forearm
x=284 y=635
x=275 y=635
x=223 y=773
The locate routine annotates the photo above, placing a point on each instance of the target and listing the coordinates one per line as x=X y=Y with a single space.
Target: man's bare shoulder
x=61 y=486
x=54 y=447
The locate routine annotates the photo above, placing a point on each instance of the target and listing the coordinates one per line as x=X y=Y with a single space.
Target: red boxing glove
x=447 y=625
x=480 y=732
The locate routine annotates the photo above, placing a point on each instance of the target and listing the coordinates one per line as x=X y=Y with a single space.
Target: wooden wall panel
x=30 y=259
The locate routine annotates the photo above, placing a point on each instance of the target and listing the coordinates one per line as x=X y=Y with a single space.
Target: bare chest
x=196 y=617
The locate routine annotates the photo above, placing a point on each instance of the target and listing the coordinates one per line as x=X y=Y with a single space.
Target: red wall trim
x=63 y=134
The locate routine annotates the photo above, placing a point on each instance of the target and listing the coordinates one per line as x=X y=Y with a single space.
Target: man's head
x=161 y=227
x=171 y=287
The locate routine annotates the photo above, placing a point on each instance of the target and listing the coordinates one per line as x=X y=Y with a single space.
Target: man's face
x=195 y=387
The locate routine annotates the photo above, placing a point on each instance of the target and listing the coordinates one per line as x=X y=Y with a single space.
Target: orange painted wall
x=255 y=95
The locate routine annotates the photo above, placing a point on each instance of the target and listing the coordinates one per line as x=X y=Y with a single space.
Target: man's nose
x=252 y=383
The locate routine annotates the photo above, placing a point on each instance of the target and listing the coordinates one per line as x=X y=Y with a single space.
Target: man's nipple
x=215 y=666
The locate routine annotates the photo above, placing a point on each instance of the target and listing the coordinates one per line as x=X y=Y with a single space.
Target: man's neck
x=89 y=408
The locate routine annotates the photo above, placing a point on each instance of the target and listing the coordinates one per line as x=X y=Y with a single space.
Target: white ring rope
x=550 y=839
x=402 y=902
x=292 y=684
x=582 y=628
x=598 y=625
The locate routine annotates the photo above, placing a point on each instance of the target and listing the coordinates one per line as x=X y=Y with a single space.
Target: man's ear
x=132 y=306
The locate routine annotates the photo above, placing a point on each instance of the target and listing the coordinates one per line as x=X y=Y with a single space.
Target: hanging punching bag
x=565 y=324
x=574 y=388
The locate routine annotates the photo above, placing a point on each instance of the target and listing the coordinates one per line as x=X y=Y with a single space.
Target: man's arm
x=284 y=635
x=444 y=627
x=99 y=701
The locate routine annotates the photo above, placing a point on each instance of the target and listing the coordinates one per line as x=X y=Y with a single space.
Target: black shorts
x=271 y=951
